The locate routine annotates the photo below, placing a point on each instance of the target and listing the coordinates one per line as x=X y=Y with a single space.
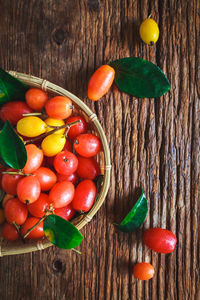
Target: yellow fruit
x=55 y=122
x=2 y=217
x=149 y=31
x=53 y=144
x=31 y=126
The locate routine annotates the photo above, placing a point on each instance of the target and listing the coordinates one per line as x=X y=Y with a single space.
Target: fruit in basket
x=88 y=168
x=61 y=194
x=59 y=107
x=77 y=129
x=66 y=212
x=10 y=181
x=65 y=163
x=85 y=195
x=46 y=177
x=36 y=98
x=38 y=208
x=31 y=126
x=37 y=232
x=55 y=122
x=28 y=189
x=72 y=178
x=12 y=111
x=9 y=232
x=15 y=211
x=53 y=144
x=34 y=158
x=87 y=144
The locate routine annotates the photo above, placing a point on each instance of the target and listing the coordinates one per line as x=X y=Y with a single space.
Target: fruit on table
x=9 y=182
x=88 y=168
x=55 y=122
x=143 y=271
x=37 y=232
x=160 y=240
x=15 y=211
x=66 y=212
x=53 y=144
x=85 y=195
x=87 y=144
x=34 y=158
x=37 y=208
x=36 y=98
x=46 y=177
x=149 y=31
x=100 y=82
x=28 y=189
x=65 y=163
x=61 y=194
x=31 y=126
x=9 y=232
x=12 y=111
x=77 y=129
x=59 y=107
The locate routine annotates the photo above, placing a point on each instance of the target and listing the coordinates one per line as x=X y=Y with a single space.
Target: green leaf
x=12 y=149
x=61 y=233
x=11 y=88
x=140 y=78
x=136 y=216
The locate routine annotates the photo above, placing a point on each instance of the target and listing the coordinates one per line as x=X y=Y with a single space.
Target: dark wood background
x=154 y=143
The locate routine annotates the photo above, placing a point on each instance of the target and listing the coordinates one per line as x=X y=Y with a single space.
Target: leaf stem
x=17 y=173
x=17 y=228
x=75 y=250
x=32 y=114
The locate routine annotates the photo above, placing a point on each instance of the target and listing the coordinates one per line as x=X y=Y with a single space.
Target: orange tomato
x=143 y=271
x=100 y=82
x=36 y=98
x=59 y=107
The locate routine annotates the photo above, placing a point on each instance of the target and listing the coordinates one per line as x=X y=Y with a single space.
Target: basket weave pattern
x=18 y=247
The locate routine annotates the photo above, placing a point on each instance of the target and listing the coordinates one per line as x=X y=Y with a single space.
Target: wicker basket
x=18 y=247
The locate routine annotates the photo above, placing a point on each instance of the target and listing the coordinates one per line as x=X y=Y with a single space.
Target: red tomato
x=77 y=129
x=65 y=163
x=59 y=107
x=88 y=168
x=9 y=232
x=37 y=232
x=36 y=98
x=87 y=144
x=9 y=182
x=28 y=189
x=34 y=158
x=62 y=194
x=160 y=240
x=68 y=146
x=85 y=195
x=72 y=178
x=66 y=212
x=100 y=82
x=12 y=111
x=37 y=209
x=15 y=211
x=46 y=177
x=143 y=271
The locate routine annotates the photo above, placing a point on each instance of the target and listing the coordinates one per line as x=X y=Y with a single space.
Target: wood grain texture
x=154 y=143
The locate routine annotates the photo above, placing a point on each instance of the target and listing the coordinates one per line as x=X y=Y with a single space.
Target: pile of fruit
x=60 y=171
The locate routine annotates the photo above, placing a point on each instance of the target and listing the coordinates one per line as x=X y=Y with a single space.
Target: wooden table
x=154 y=143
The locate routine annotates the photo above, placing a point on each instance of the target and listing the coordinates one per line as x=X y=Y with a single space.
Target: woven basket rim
x=84 y=219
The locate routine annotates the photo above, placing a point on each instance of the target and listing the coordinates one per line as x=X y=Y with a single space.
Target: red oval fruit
x=59 y=107
x=84 y=196
x=37 y=208
x=36 y=98
x=88 y=168
x=9 y=182
x=66 y=212
x=160 y=240
x=9 y=232
x=65 y=163
x=72 y=178
x=34 y=158
x=143 y=271
x=28 y=189
x=87 y=144
x=15 y=211
x=37 y=232
x=12 y=111
x=46 y=177
x=100 y=82
x=77 y=129
x=61 y=194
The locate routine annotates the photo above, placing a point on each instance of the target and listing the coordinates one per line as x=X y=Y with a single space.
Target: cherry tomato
x=12 y=111
x=46 y=177
x=65 y=163
x=77 y=129
x=143 y=271
x=84 y=196
x=53 y=144
x=55 y=122
x=9 y=182
x=36 y=98
x=9 y=232
x=149 y=31
x=34 y=158
x=67 y=146
x=2 y=216
x=59 y=107
x=87 y=144
x=37 y=209
x=61 y=194
x=15 y=211
x=31 y=126
x=88 y=168
x=66 y=212
x=37 y=232
x=100 y=82
x=72 y=178
x=28 y=189
x=160 y=240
